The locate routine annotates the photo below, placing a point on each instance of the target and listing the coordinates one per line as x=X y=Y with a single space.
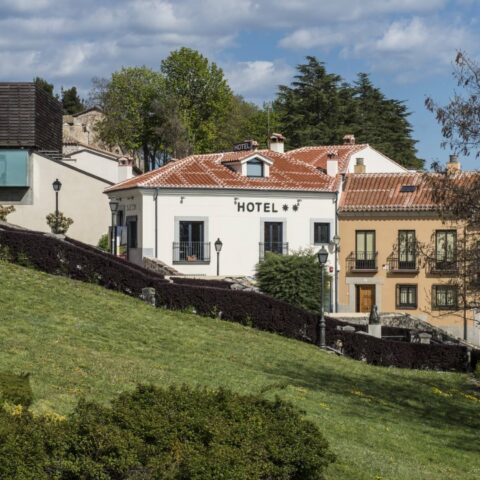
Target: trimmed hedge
x=400 y=354
x=200 y=282
x=84 y=263
x=176 y=433
x=74 y=259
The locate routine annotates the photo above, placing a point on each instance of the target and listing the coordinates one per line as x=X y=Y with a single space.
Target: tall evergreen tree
x=383 y=123
x=310 y=110
x=44 y=85
x=319 y=109
x=71 y=102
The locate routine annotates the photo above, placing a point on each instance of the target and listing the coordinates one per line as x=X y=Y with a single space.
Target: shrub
x=176 y=433
x=59 y=223
x=294 y=278
x=5 y=211
x=103 y=243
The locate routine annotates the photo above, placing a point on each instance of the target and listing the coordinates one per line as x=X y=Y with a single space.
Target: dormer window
x=255 y=168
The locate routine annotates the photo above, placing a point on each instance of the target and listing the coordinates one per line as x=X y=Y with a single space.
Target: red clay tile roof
x=318 y=156
x=208 y=171
x=381 y=192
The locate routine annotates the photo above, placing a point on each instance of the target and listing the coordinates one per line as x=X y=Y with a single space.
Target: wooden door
x=365 y=298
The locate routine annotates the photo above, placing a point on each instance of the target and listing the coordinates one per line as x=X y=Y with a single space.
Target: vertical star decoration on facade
x=285 y=207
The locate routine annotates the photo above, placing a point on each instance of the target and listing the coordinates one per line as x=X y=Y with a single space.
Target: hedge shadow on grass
x=425 y=400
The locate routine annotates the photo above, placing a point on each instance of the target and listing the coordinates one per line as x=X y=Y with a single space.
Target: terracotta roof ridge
x=325 y=147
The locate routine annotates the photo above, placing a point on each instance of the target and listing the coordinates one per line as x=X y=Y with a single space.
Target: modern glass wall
x=13 y=168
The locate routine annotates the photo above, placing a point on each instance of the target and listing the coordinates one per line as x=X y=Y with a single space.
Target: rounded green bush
x=175 y=433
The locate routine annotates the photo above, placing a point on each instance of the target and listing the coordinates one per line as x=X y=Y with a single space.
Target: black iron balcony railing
x=273 y=247
x=362 y=262
x=408 y=264
x=436 y=266
x=191 y=252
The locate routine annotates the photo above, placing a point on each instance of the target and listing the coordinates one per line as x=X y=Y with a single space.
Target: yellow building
x=396 y=253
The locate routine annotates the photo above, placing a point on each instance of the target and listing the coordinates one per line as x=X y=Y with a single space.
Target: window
x=321 y=233
x=365 y=250
x=406 y=250
x=444 y=297
x=445 y=249
x=255 y=168
x=13 y=168
x=191 y=246
x=408 y=188
x=406 y=296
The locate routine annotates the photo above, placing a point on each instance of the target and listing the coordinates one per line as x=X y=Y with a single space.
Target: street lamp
x=322 y=260
x=57 y=185
x=218 y=248
x=113 y=208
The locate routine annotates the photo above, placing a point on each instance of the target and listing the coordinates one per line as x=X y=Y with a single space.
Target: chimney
x=277 y=143
x=453 y=165
x=332 y=165
x=125 y=170
x=359 y=167
x=349 y=139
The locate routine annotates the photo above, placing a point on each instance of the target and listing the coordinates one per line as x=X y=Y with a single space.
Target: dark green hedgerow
x=175 y=433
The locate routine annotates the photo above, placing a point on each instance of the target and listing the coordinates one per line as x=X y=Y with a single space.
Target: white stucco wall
x=96 y=164
x=81 y=198
x=240 y=231
x=375 y=162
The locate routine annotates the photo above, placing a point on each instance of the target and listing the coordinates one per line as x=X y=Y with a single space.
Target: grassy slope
x=81 y=340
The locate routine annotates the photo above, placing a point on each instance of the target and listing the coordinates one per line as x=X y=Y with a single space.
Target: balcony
x=273 y=247
x=436 y=266
x=191 y=253
x=362 y=262
x=401 y=265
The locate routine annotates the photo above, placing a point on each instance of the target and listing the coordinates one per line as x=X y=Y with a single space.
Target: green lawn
x=383 y=423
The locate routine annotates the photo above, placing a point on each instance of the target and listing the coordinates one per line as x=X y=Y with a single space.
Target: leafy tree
x=127 y=101
x=319 y=109
x=44 y=85
x=383 y=123
x=294 y=278
x=460 y=118
x=310 y=110
x=203 y=94
x=71 y=102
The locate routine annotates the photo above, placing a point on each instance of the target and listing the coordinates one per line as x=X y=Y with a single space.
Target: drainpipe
x=155 y=198
x=336 y=252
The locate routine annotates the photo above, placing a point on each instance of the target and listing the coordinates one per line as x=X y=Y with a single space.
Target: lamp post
x=113 y=208
x=322 y=260
x=57 y=185
x=336 y=248
x=218 y=248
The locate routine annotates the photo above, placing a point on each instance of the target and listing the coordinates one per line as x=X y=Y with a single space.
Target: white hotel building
x=254 y=201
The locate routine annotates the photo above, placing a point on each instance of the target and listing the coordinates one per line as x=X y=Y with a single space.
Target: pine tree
x=71 y=102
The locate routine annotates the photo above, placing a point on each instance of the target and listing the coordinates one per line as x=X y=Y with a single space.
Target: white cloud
x=257 y=78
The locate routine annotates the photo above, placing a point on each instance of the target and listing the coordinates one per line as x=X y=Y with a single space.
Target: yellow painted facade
x=391 y=283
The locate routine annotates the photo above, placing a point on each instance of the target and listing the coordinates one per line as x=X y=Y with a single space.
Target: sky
x=407 y=46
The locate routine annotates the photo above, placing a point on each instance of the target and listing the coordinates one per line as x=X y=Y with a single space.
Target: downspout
x=336 y=252
x=155 y=198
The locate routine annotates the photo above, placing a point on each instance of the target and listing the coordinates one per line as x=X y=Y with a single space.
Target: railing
x=362 y=262
x=436 y=266
x=274 y=247
x=191 y=252
x=399 y=265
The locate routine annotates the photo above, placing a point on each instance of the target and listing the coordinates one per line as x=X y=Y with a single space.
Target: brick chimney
x=453 y=165
x=125 y=169
x=359 y=167
x=349 y=139
x=277 y=143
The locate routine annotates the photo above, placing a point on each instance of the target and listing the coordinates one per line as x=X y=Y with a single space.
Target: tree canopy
x=188 y=107
x=318 y=108
x=71 y=102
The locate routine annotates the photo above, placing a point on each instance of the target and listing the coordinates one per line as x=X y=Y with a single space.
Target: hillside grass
x=80 y=340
